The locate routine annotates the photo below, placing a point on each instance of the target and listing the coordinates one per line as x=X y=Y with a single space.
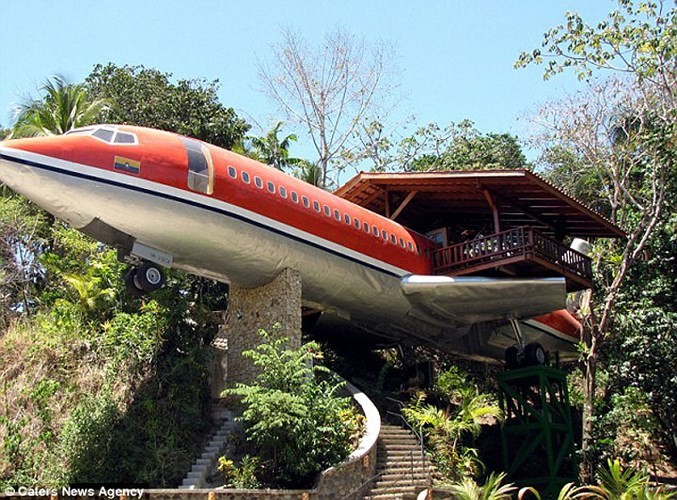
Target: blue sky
x=455 y=57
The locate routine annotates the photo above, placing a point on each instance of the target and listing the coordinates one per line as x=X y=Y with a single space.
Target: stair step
x=398 y=440
x=411 y=490
x=391 y=476
x=402 y=471
x=389 y=456
x=218 y=442
x=401 y=446
x=396 y=434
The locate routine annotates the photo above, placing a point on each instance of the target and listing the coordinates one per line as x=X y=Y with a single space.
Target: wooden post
x=494 y=209
x=403 y=205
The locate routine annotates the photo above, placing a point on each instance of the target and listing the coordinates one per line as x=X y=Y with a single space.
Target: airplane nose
x=39 y=169
x=48 y=146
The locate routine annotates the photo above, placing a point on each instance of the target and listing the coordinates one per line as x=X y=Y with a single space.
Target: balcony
x=522 y=251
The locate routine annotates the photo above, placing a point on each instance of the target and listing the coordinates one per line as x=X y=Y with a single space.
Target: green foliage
x=458 y=147
x=621 y=483
x=101 y=386
x=636 y=38
x=621 y=132
x=492 y=489
x=24 y=231
x=85 y=432
x=147 y=97
x=272 y=150
x=614 y=483
x=308 y=172
x=62 y=107
x=242 y=476
x=294 y=417
x=449 y=431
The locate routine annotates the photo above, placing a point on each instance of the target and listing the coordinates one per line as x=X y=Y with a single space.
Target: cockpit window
x=107 y=134
x=124 y=138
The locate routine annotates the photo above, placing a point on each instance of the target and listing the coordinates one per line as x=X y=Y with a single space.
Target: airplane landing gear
x=521 y=355
x=146 y=278
x=532 y=355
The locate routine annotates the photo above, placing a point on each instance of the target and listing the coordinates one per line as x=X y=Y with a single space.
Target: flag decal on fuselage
x=127 y=165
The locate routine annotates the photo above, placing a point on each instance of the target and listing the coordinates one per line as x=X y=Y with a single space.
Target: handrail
x=419 y=435
x=522 y=242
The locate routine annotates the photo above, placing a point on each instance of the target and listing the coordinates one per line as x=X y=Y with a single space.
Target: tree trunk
x=590 y=384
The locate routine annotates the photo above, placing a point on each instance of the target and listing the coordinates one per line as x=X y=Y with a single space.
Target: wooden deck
x=521 y=251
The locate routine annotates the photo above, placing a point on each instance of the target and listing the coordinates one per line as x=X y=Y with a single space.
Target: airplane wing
x=467 y=300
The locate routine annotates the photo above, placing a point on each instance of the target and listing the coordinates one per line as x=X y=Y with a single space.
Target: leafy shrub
x=449 y=430
x=242 y=476
x=293 y=412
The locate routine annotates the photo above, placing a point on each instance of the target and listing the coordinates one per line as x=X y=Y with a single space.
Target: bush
x=294 y=415
x=450 y=430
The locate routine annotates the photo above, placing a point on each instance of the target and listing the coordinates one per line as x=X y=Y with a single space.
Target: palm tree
x=273 y=151
x=308 y=172
x=447 y=429
x=62 y=107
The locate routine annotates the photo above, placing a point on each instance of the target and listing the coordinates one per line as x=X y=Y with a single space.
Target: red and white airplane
x=166 y=200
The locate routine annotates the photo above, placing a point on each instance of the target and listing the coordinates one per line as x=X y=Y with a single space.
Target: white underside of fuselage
x=209 y=237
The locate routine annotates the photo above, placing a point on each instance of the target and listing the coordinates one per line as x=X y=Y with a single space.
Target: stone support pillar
x=250 y=310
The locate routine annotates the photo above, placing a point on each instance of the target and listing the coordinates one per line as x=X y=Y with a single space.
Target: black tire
x=130 y=284
x=534 y=354
x=149 y=277
x=511 y=358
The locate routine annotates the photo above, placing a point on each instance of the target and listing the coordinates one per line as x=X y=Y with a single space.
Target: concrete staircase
x=205 y=465
x=401 y=470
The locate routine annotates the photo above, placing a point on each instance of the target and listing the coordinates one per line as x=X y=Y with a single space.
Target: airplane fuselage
x=218 y=214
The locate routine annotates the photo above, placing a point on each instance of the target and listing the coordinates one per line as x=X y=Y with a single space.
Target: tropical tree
x=623 y=130
x=457 y=146
x=61 y=107
x=492 y=489
x=463 y=147
x=308 y=172
x=149 y=97
x=272 y=150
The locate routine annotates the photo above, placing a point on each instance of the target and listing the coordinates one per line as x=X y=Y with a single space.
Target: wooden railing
x=515 y=245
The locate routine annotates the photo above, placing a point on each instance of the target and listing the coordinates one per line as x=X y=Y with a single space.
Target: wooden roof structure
x=512 y=197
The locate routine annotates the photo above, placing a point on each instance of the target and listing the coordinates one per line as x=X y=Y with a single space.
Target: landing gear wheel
x=130 y=284
x=149 y=277
x=512 y=358
x=534 y=355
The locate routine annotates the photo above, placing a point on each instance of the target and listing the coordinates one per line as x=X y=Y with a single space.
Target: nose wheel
x=148 y=277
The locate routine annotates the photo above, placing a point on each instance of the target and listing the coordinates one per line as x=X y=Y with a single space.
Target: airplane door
x=200 y=166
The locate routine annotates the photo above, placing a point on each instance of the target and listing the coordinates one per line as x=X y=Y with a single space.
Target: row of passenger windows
x=317 y=207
